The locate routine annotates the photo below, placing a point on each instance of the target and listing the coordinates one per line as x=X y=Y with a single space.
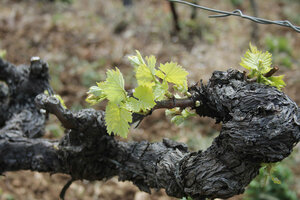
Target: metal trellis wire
x=239 y=13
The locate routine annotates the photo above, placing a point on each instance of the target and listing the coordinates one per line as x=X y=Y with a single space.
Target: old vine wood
x=260 y=124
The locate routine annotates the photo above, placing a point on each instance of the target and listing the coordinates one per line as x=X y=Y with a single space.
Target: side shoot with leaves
x=153 y=85
x=259 y=65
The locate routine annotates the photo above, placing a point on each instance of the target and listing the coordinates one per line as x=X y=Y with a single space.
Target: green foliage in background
x=281 y=48
x=55 y=129
x=259 y=189
x=266 y=187
x=278 y=45
x=236 y=2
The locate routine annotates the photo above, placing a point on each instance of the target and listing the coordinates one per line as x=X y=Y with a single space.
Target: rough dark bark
x=260 y=124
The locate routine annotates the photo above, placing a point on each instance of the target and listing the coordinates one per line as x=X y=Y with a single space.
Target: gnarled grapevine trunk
x=260 y=124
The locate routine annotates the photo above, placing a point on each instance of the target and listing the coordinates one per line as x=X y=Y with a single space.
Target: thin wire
x=239 y=13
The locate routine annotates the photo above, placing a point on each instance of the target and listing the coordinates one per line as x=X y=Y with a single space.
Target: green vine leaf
x=144 y=75
x=145 y=96
x=132 y=105
x=143 y=101
x=96 y=94
x=137 y=60
x=173 y=73
x=181 y=88
x=159 y=90
x=117 y=119
x=151 y=62
x=113 y=87
x=179 y=116
x=257 y=60
x=96 y=90
x=276 y=81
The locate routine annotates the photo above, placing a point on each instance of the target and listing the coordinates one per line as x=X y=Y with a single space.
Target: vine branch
x=172 y=103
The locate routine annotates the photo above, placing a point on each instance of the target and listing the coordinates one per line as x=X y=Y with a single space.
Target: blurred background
x=82 y=39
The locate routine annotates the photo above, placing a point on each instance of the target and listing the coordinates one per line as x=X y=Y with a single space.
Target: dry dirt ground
x=80 y=41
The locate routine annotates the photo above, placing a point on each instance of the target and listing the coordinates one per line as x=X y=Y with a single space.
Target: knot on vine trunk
x=260 y=123
x=18 y=88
